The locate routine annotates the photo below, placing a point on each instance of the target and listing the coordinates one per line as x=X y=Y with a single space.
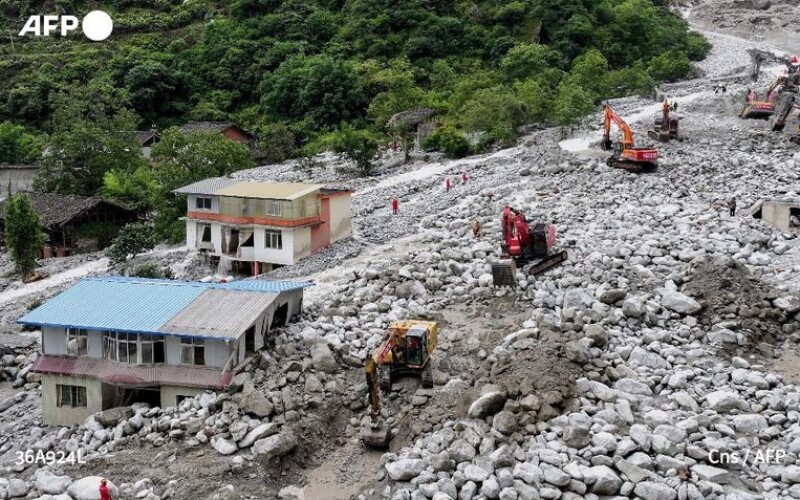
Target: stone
x=487 y=404
x=261 y=431
x=16 y=488
x=725 y=401
x=474 y=473
x=554 y=475
x=612 y=296
x=322 y=358
x=254 y=402
x=603 y=479
x=528 y=472
x=291 y=493
x=113 y=416
x=490 y=489
x=223 y=446
x=632 y=386
x=641 y=357
x=277 y=445
x=749 y=423
x=406 y=469
x=505 y=422
x=88 y=488
x=461 y=451
x=655 y=491
x=678 y=302
x=597 y=334
x=47 y=482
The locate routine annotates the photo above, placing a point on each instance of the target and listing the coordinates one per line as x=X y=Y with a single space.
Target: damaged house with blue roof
x=113 y=341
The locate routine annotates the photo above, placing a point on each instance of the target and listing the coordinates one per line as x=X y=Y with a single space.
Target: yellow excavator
x=406 y=350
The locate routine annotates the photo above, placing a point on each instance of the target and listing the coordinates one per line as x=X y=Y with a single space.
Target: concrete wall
x=284 y=256
x=341 y=225
x=169 y=394
x=777 y=213
x=302 y=243
x=52 y=414
x=53 y=341
x=20 y=177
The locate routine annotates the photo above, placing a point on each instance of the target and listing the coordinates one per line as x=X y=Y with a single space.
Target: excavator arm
x=610 y=116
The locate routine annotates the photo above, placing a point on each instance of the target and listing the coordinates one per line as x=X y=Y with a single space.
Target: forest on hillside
x=307 y=75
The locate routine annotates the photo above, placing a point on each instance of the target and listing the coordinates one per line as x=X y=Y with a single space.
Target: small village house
x=75 y=224
x=112 y=341
x=259 y=226
x=147 y=139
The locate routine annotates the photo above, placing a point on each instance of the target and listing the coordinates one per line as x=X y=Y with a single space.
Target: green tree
x=535 y=99
x=23 y=233
x=670 y=66
x=495 y=107
x=93 y=132
x=132 y=239
x=589 y=70
x=17 y=145
x=527 y=60
x=572 y=103
x=357 y=146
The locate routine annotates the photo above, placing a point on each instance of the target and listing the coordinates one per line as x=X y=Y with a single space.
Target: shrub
x=449 y=141
x=132 y=239
x=152 y=270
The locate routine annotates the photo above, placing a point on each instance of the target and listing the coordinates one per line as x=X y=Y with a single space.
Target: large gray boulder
x=16 y=488
x=678 y=302
x=253 y=401
x=488 y=404
x=655 y=491
x=322 y=358
x=88 y=488
x=262 y=431
x=113 y=416
x=47 y=482
x=223 y=446
x=275 y=446
x=406 y=469
x=725 y=401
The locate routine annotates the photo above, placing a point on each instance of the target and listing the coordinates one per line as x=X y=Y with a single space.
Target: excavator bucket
x=376 y=435
x=504 y=273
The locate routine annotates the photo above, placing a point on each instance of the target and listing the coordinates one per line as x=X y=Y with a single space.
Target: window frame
x=134 y=348
x=78 y=334
x=200 y=203
x=71 y=396
x=194 y=348
x=274 y=213
x=271 y=236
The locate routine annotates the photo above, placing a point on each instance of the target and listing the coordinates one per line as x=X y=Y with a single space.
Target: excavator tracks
x=545 y=264
x=504 y=272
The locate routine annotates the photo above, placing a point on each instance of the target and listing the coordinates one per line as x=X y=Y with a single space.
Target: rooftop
x=213 y=126
x=160 y=307
x=223 y=186
x=57 y=209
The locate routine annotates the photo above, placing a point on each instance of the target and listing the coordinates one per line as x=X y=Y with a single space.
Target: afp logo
x=97 y=25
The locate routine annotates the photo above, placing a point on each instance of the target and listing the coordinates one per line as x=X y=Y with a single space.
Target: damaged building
x=112 y=341
x=783 y=213
x=259 y=226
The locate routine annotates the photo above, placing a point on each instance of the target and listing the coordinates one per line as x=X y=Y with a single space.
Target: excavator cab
x=416 y=351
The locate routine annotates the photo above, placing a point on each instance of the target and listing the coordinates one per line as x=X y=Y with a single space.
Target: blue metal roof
x=127 y=304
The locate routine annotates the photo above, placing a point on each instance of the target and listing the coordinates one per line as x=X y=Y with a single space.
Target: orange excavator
x=626 y=155
x=665 y=125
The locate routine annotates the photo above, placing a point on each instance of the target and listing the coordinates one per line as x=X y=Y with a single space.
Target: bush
x=35 y=303
x=132 y=239
x=449 y=141
x=670 y=66
x=152 y=270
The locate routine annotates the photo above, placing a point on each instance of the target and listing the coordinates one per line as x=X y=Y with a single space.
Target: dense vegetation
x=305 y=75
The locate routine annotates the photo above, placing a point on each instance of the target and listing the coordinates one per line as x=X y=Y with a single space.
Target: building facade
x=263 y=224
x=783 y=213
x=114 y=341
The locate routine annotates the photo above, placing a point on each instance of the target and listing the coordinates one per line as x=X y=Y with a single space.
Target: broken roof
x=140 y=305
x=222 y=186
x=411 y=117
x=57 y=209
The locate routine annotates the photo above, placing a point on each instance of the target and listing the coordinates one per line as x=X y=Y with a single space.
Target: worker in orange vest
x=447 y=184
x=395 y=205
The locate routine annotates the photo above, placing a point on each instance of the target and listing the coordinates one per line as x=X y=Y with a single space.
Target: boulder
x=725 y=401
x=275 y=446
x=16 y=488
x=254 y=402
x=88 y=488
x=262 y=431
x=223 y=446
x=488 y=404
x=603 y=479
x=655 y=491
x=678 y=302
x=113 y=416
x=322 y=358
x=47 y=482
x=406 y=469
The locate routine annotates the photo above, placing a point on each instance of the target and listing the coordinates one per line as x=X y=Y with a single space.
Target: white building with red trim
x=264 y=224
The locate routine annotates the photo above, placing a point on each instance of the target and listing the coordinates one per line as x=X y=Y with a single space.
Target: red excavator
x=626 y=155
x=526 y=244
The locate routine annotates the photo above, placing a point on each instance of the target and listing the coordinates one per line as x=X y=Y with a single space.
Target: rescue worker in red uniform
x=395 y=205
x=104 y=493
x=447 y=184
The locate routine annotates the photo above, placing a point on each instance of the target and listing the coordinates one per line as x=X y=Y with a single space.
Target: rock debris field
x=631 y=371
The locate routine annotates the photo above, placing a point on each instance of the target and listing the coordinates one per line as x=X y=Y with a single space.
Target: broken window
x=203 y=203
x=151 y=349
x=133 y=348
x=73 y=396
x=273 y=239
x=77 y=342
x=274 y=208
x=193 y=351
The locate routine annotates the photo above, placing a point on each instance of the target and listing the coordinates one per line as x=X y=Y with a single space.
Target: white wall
x=53 y=340
x=302 y=243
x=283 y=256
x=217 y=352
x=52 y=414
x=341 y=225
